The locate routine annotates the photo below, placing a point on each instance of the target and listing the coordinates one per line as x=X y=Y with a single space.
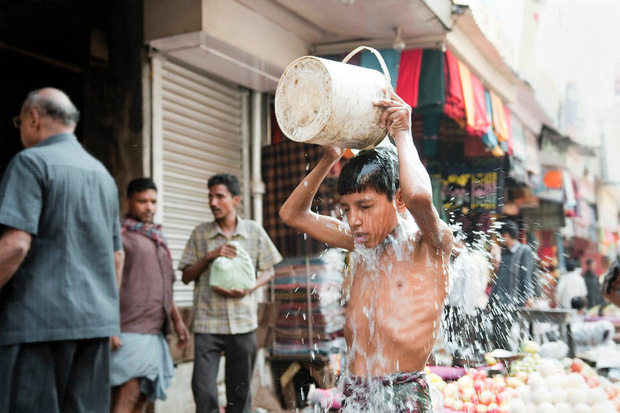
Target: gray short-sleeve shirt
x=65 y=289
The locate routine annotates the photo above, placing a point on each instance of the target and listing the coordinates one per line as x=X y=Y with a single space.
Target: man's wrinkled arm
x=264 y=277
x=119 y=262
x=14 y=245
x=528 y=285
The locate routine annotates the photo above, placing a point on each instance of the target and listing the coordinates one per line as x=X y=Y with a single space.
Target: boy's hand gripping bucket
x=331 y=103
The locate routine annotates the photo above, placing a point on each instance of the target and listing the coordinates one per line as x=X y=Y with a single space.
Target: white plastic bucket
x=325 y=102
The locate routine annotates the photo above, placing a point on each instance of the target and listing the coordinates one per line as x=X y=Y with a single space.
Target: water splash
x=464 y=329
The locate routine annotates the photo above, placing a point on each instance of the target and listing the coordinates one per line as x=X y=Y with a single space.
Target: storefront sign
x=466 y=192
x=548 y=186
x=548 y=215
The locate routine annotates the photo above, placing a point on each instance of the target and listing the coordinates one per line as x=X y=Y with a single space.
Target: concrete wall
x=226 y=20
x=163 y=18
x=249 y=31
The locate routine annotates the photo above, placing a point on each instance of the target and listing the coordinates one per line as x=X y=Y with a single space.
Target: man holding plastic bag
x=228 y=259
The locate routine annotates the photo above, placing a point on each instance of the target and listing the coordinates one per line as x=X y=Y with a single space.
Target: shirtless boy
x=399 y=277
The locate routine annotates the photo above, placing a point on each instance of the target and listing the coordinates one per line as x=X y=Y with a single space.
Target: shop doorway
x=23 y=72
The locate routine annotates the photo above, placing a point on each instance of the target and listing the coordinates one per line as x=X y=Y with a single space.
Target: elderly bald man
x=60 y=265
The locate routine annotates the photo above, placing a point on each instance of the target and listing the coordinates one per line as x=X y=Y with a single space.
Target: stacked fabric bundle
x=311 y=317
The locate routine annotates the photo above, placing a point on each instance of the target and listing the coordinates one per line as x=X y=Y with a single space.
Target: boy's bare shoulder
x=445 y=238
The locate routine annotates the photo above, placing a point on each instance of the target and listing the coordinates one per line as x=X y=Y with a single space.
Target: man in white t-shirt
x=571 y=285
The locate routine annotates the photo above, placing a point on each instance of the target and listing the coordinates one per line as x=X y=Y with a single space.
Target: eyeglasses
x=17 y=121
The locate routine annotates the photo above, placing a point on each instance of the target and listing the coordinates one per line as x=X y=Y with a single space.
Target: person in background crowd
x=570 y=285
x=225 y=320
x=579 y=304
x=593 y=285
x=514 y=286
x=611 y=283
x=61 y=261
x=589 y=334
x=609 y=290
x=141 y=366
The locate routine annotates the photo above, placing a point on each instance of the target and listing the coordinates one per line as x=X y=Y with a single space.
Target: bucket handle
x=386 y=73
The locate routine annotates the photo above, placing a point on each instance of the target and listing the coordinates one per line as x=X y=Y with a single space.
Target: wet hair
x=140 y=185
x=510 y=228
x=54 y=106
x=589 y=261
x=578 y=303
x=230 y=181
x=375 y=169
x=571 y=264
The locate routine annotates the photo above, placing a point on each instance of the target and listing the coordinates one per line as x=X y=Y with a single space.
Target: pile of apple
x=567 y=386
x=475 y=392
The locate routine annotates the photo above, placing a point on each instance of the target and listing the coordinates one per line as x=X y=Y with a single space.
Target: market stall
x=524 y=382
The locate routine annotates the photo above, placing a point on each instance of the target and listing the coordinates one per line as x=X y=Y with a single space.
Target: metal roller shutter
x=197 y=124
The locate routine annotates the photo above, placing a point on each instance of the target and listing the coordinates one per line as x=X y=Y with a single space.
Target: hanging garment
x=473 y=97
x=489 y=138
x=468 y=98
x=455 y=104
x=482 y=119
x=409 y=76
x=500 y=126
x=391 y=58
x=508 y=117
x=432 y=94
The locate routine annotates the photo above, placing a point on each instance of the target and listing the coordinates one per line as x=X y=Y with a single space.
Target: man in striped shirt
x=225 y=320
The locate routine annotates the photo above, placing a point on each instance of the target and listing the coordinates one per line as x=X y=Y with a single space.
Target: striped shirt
x=214 y=313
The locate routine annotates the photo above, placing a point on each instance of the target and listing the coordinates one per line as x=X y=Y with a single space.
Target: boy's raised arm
x=415 y=182
x=297 y=210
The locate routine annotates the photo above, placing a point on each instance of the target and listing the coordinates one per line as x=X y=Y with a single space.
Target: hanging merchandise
x=475 y=106
x=489 y=138
x=420 y=80
x=392 y=62
x=430 y=135
x=455 y=104
x=409 y=76
x=508 y=118
x=432 y=95
x=500 y=125
x=459 y=94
